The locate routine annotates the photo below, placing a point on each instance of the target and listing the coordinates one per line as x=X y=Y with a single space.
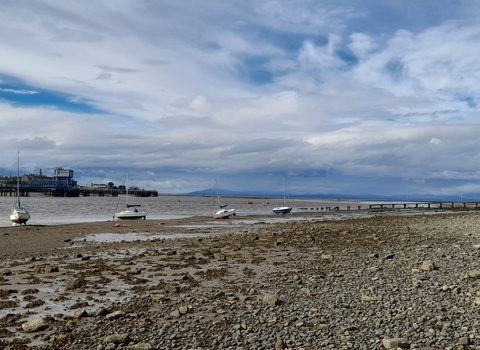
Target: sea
x=46 y=210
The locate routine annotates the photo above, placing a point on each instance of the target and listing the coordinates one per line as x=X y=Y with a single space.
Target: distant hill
x=371 y=197
x=227 y=193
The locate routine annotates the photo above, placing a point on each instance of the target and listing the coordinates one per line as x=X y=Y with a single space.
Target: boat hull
x=224 y=213
x=131 y=215
x=19 y=217
x=282 y=210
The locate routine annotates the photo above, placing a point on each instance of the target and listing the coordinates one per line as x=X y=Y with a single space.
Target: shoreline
x=58 y=210
x=40 y=238
x=72 y=230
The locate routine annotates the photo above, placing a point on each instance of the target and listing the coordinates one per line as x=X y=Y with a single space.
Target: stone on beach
x=270 y=299
x=74 y=283
x=140 y=346
x=172 y=288
x=427 y=265
x=101 y=312
x=475 y=274
x=80 y=313
x=395 y=343
x=117 y=338
x=35 y=325
x=115 y=315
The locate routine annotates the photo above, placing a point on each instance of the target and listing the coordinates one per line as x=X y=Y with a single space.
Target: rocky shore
x=385 y=282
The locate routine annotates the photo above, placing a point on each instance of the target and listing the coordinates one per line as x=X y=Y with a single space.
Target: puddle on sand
x=145 y=236
x=134 y=237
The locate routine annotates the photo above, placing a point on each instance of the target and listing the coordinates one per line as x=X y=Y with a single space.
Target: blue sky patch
x=27 y=96
x=470 y=101
x=254 y=70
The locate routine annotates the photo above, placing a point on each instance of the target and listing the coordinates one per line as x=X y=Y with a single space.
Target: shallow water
x=45 y=210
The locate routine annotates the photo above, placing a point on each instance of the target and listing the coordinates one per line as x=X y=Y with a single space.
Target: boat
x=223 y=213
x=131 y=211
x=284 y=209
x=19 y=214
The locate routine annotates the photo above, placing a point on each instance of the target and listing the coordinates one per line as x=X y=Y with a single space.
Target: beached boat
x=131 y=211
x=284 y=209
x=223 y=213
x=19 y=213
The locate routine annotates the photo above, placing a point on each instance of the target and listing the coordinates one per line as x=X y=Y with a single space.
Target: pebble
x=35 y=326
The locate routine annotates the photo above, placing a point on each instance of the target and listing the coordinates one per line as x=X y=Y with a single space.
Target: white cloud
x=437 y=63
x=314 y=58
x=200 y=104
x=301 y=87
x=361 y=45
x=20 y=91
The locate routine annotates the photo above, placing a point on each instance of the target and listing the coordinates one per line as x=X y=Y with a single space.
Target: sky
x=346 y=97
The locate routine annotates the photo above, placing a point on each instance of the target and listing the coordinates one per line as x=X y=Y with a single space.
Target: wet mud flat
x=301 y=283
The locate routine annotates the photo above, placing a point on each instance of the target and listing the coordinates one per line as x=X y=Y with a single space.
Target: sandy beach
x=388 y=281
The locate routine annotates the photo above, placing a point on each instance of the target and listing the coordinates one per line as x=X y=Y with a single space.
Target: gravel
x=384 y=282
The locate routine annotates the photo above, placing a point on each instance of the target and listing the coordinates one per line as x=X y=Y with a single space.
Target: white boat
x=19 y=214
x=131 y=211
x=222 y=213
x=284 y=209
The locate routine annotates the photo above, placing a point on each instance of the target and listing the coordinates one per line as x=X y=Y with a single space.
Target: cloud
x=104 y=76
x=68 y=35
x=199 y=104
x=314 y=58
x=362 y=45
x=156 y=62
x=36 y=143
x=437 y=61
x=21 y=91
x=117 y=69
x=344 y=96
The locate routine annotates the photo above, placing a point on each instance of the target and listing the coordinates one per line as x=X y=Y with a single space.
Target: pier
x=425 y=205
x=62 y=184
x=114 y=192
x=11 y=191
x=399 y=206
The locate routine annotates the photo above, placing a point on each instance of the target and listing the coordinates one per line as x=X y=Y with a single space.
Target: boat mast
x=284 y=191
x=18 y=178
x=126 y=191
x=216 y=193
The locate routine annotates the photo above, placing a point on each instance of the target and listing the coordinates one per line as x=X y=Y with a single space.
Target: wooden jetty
x=424 y=205
x=400 y=206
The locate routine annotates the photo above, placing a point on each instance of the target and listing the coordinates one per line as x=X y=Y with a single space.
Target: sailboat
x=223 y=213
x=19 y=214
x=284 y=209
x=130 y=211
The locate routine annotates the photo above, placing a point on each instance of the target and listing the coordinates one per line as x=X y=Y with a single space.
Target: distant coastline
x=334 y=196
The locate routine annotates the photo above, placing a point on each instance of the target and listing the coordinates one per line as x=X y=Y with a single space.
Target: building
x=63 y=173
x=62 y=179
